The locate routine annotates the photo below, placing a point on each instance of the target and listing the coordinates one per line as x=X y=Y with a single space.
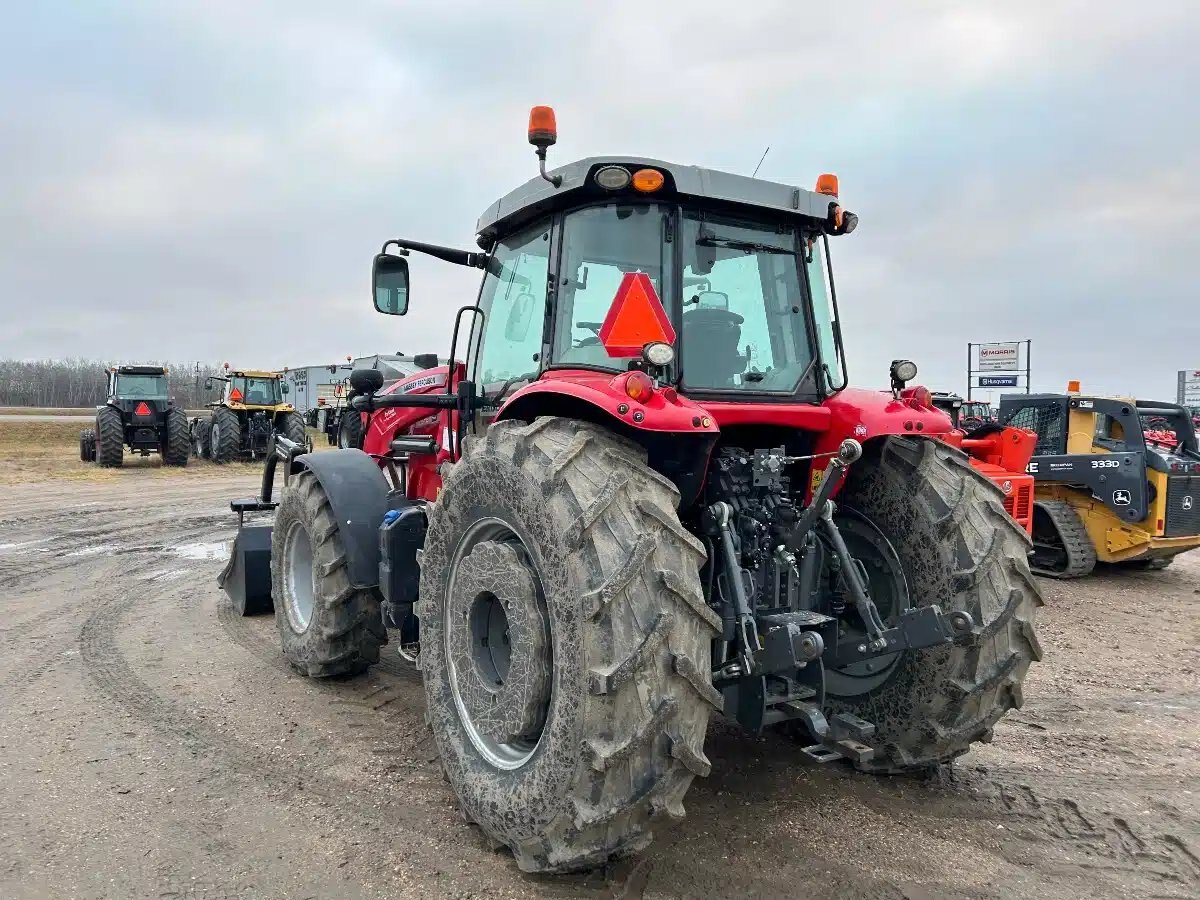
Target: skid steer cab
x=251 y=410
x=642 y=493
x=1117 y=480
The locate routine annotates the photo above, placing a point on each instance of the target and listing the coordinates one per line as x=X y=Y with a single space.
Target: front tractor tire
x=110 y=438
x=326 y=626
x=946 y=527
x=565 y=643
x=177 y=447
x=224 y=436
x=350 y=429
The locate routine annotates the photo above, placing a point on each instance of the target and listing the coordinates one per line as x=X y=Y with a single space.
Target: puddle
x=93 y=550
x=9 y=548
x=217 y=550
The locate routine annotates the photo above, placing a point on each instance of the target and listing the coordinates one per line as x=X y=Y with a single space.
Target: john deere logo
x=1122 y=498
x=1187 y=502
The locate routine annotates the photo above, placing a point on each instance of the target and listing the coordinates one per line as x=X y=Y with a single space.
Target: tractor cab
x=254 y=390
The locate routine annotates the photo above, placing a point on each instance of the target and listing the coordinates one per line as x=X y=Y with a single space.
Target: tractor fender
x=863 y=415
x=358 y=495
x=677 y=433
x=664 y=411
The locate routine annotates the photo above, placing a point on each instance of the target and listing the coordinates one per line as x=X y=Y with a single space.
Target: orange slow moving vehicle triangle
x=235 y=396
x=636 y=318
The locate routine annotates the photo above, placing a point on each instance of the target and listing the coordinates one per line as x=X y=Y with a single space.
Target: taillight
x=918 y=396
x=639 y=386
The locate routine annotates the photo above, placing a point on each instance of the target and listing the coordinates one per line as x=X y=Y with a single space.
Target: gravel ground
x=152 y=744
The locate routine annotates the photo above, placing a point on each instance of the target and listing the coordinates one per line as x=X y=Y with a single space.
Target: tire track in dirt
x=1104 y=841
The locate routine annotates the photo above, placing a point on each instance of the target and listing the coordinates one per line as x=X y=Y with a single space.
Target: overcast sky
x=210 y=179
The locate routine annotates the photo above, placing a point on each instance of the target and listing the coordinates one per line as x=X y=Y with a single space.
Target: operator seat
x=710 y=340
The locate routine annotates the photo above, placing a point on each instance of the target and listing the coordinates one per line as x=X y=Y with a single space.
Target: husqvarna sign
x=999 y=357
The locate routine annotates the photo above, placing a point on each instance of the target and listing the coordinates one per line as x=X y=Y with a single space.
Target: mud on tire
x=629 y=637
x=961 y=550
x=110 y=438
x=341 y=630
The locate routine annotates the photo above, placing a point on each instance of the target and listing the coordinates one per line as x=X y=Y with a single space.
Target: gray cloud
x=210 y=180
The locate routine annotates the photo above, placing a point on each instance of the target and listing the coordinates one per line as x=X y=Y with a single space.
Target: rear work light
x=612 y=178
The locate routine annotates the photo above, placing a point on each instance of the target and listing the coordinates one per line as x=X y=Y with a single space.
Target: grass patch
x=37 y=451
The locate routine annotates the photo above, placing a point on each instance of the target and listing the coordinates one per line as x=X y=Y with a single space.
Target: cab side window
x=513 y=300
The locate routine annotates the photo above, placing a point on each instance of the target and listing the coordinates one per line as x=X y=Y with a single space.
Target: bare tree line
x=83 y=382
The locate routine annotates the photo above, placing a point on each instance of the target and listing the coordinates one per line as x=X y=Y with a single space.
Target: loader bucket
x=246 y=578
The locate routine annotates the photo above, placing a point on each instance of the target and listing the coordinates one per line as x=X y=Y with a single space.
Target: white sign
x=1189 y=387
x=999 y=357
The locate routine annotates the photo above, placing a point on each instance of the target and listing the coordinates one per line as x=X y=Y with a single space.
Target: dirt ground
x=153 y=744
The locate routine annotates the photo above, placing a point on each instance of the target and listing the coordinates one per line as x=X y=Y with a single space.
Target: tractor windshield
x=255 y=391
x=141 y=387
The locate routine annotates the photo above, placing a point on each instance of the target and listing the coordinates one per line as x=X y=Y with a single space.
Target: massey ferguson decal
x=425 y=381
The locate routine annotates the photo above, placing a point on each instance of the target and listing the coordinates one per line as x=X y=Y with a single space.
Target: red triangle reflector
x=235 y=396
x=636 y=318
x=142 y=409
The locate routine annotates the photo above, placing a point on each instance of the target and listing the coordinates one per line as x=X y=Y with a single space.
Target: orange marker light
x=648 y=180
x=1072 y=387
x=639 y=387
x=543 y=131
x=636 y=318
x=827 y=184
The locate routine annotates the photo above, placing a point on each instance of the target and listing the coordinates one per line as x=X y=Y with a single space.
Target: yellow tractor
x=1117 y=480
x=242 y=422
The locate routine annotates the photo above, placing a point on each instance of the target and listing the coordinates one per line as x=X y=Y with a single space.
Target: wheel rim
x=214 y=438
x=888 y=589
x=299 y=583
x=502 y=689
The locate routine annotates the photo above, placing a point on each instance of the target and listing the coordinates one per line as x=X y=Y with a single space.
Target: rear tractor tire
x=326 y=626
x=941 y=536
x=291 y=426
x=224 y=436
x=565 y=643
x=178 y=446
x=87 y=445
x=110 y=438
x=200 y=438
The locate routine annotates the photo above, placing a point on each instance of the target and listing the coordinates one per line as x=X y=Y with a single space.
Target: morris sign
x=999 y=357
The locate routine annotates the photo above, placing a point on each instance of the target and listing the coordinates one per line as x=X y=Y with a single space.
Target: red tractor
x=645 y=496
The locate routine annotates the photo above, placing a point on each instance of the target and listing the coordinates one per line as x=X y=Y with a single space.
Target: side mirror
x=389 y=278
x=283 y=386
x=208 y=384
x=425 y=360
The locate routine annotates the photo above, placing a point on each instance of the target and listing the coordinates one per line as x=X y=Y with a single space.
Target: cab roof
x=141 y=370
x=253 y=373
x=538 y=196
